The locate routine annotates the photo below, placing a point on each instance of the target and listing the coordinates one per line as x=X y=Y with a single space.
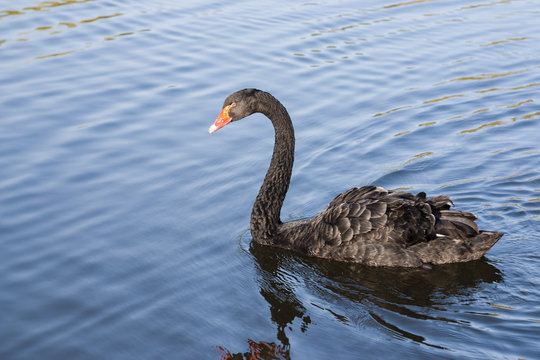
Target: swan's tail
x=445 y=249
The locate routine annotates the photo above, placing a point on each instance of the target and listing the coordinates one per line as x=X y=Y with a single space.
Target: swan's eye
x=233 y=104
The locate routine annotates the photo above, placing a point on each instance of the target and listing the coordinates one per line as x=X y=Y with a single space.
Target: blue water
x=124 y=224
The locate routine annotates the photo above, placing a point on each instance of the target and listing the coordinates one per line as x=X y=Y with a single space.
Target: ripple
x=481 y=77
x=122 y=219
x=499 y=42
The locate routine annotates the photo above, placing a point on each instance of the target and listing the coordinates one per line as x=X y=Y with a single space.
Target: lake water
x=124 y=225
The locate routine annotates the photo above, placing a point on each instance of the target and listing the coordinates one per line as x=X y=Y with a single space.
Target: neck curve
x=265 y=216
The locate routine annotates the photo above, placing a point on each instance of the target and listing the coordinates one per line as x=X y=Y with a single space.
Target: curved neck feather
x=265 y=216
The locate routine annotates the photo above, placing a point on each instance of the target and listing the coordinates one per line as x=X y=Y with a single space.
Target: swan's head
x=237 y=106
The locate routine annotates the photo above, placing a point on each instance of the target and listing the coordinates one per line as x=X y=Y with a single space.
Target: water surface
x=124 y=225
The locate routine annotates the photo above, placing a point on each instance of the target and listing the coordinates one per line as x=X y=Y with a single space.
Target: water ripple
x=121 y=219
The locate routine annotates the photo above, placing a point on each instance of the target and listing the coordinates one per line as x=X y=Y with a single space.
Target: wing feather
x=372 y=215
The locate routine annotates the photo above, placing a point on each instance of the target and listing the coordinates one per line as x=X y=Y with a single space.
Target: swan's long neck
x=266 y=210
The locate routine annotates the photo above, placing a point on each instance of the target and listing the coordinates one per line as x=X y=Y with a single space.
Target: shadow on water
x=409 y=293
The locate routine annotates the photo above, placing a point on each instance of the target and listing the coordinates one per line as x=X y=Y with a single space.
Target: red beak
x=222 y=120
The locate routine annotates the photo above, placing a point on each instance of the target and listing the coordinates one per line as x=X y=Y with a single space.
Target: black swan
x=368 y=225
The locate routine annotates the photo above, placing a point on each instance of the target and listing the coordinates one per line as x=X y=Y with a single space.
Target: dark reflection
x=257 y=350
x=403 y=292
x=375 y=292
x=277 y=288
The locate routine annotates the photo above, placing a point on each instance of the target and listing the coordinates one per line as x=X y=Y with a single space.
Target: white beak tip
x=212 y=128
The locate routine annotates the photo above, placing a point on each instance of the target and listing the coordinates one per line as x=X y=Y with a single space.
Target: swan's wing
x=375 y=226
x=355 y=226
x=359 y=194
x=358 y=211
x=339 y=224
x=372 y=213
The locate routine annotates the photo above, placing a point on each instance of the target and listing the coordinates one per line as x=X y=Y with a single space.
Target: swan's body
x=368 y=225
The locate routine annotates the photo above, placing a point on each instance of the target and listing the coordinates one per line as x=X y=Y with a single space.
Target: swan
x=368 y=225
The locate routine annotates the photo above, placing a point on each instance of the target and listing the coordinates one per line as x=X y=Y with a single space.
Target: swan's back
x=378 y=227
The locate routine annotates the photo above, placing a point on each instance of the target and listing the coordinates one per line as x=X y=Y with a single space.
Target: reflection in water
x=406 y=293
x=509 y=120
x=483 y=126
x=100 y=18
x=512 y=106
x=443 y=98
x=481 y=77
x=62 y=27
x=86 y=203
x=413 y=2
x=508 y=89
x=500 y=122
x=507 y=40
x=108 y=38
x=258 y=350
x=57 y=54
x=42 y=6
x=392 y=110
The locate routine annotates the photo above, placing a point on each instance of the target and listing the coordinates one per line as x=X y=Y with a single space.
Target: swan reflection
x=358 y=295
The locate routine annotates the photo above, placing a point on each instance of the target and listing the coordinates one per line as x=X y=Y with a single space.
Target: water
x=124 y=225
